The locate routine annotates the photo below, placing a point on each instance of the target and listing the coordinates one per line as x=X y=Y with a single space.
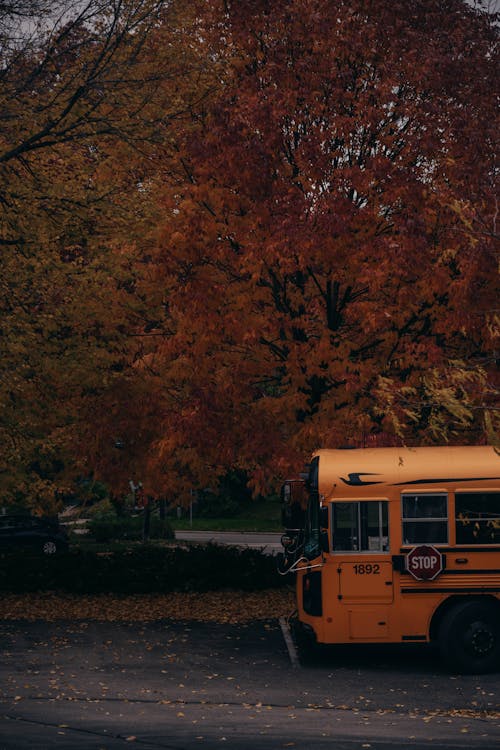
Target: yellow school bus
x=403 y=545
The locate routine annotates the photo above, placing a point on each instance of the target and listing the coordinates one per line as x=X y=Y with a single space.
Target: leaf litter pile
x=212 y=606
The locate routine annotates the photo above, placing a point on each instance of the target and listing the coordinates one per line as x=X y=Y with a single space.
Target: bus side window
x=360 y=526
x=425 y=518
x=477 y=517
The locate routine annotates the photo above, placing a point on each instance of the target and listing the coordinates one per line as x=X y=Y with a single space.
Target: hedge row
x=104 y=527
x=145 y=569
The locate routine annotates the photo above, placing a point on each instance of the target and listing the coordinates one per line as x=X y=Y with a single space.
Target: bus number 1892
x=363 y=569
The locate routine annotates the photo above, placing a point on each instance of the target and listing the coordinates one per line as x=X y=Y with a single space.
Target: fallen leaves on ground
x=213 y=606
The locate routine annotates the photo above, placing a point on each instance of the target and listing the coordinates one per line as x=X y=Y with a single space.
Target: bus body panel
x=368 y=595
x=363 y=469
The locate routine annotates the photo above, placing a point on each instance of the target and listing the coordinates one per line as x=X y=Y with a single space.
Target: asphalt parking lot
x=102 y=686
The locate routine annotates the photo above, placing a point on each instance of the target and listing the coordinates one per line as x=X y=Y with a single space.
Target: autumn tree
x=235 y=231
x=84 y=108
x=326 y=252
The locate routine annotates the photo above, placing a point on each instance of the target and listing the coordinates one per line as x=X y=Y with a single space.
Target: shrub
x=101 y=508
x=143 y=569
x=227 y=499
x=107 y=526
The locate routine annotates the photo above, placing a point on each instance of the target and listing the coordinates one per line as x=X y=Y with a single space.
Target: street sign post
x=424 y=562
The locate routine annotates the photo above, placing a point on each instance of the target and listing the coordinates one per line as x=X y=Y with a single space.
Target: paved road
x=268 y=542
x=103 y=686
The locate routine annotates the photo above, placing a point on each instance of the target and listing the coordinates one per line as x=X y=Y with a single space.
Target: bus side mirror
x=324 y=541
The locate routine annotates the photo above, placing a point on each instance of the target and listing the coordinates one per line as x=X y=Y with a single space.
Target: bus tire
x=469 y=637
x=305 y=642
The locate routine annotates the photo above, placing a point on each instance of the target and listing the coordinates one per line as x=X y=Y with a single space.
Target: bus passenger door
x=365 y=574
x=366 y=591
x=365 y=581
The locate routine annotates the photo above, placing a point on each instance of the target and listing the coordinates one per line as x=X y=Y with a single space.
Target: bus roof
x=364 y=472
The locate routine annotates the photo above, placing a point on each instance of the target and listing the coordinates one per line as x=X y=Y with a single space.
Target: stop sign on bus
x=424 y=562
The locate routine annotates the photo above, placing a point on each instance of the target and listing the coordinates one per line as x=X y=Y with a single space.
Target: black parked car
x=38 y=534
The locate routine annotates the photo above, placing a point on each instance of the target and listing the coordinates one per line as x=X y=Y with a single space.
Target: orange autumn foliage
x=324 y=269
x=234 y=231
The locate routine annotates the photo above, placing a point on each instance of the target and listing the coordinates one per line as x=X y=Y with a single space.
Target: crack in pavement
x=466 y=713
x=342 y=740
x=93 y=733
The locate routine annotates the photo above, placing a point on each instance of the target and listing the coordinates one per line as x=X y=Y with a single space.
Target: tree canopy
x=76 y=100
x=276 y=230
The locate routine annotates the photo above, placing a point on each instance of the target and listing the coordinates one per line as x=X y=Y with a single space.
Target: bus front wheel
x=469 y=637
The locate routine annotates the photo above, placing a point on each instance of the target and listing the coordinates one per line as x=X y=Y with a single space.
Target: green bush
x=104 y=527
x=101 y=508
x=143 y=569
x=227 y=500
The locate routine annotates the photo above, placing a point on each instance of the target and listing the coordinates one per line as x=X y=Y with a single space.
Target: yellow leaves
x=493 y=324
x=463 y=210
x=492 y=428
x=448 y=393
